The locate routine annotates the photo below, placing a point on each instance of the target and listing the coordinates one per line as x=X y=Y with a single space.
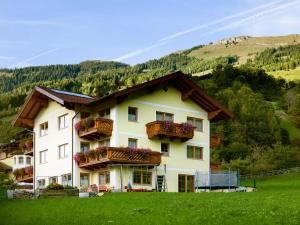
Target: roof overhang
x=40 y=96
x=188 y=88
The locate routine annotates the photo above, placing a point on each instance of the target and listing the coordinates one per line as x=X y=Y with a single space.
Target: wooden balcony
x=93 y=129
x=24 y=174
x=166 y=129
x=103 y=156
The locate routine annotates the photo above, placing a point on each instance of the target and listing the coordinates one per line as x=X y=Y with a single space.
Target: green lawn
x=276 y=202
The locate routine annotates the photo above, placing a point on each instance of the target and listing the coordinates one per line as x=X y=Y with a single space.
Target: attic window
x=43 y=129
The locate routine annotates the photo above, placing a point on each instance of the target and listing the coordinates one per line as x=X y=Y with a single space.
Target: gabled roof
x=188 y=88
x=40 y=95
x=38 y=99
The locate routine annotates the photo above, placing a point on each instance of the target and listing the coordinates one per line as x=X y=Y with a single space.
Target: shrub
x=55 y=186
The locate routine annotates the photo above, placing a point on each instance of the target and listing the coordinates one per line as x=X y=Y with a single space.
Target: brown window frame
x=133 y=139
x=194 y=119
x=141 y=174
x=165 y=153
x=164 y=116
x=43 y=128
x=194 y=152
x=106 y=177
x=136 y=116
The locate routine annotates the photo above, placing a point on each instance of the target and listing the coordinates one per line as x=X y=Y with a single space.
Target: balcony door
x=186 y=183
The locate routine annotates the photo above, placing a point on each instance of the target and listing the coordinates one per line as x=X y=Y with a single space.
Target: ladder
x=161 y=181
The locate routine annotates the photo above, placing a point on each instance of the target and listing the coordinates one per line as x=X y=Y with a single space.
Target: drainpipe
x=72 y=173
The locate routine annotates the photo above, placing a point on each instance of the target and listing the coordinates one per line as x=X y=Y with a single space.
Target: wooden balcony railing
x=17 y=148
x=167 y=129
x=24 y=174
x=93 y=129
x=102 y=156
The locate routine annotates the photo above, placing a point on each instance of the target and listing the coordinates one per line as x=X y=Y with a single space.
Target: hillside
x=256 y=139
x=245 y=47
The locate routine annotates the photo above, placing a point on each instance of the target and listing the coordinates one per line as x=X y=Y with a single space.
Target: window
x=104 y=143
x=43 y=156
x=21 y=160
x=41 y=183
x=62 y=122
x=132 y=143
x=104 y=178
x=194 y=152
x=28 y=160
x=84 y=179
x=165 y=149
x=66 y=180
x=62 y=151
x=132 y=114
x=84 y=146
x=52 y=180
x=43 y=129
x=142 y=177
x=198 y=123
x=163 y=116
x=105 y=113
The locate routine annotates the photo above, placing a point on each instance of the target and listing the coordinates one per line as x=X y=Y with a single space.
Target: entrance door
x=185 y=183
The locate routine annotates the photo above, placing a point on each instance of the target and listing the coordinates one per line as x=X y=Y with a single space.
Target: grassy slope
x=288 y=75
x=246 y=48
x=287 y=124
x=276 y=202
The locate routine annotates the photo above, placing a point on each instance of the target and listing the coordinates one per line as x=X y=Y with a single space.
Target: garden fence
x=271 y=173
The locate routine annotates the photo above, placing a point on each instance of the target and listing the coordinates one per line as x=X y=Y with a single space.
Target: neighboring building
x=154 y=135
x=17 y=156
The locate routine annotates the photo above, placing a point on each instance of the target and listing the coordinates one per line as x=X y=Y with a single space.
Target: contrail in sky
x=25 y=61
x=255 y=13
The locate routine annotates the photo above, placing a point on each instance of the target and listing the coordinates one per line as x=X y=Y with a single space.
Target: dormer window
x=43 y=129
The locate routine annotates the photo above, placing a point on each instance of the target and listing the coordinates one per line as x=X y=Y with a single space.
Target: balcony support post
x=121 y=174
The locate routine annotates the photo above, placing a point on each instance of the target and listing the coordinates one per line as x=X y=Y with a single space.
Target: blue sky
x=65 y=31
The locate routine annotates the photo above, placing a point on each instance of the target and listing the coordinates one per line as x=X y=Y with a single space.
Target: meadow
x=277 y=201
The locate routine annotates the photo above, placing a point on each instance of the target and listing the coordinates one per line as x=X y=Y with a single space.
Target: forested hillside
x=263 y=134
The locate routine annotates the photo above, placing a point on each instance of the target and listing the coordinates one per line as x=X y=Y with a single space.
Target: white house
x=152 y=136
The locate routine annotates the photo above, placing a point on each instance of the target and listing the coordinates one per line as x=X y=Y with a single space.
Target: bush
x=55 y=186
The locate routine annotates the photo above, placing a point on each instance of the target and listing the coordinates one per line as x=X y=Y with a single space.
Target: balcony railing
x=93 y=129
x=19 y=147
x=102 y=156
x=24 y=174
x=167 y=129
